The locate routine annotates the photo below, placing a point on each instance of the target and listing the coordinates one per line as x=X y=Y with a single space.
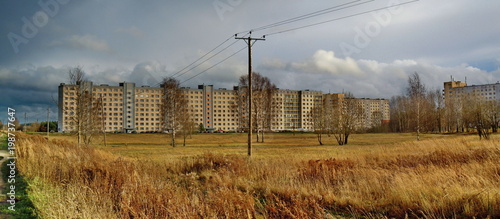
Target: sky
x=366 y=47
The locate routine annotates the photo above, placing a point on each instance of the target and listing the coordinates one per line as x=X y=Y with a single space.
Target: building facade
x=455 y=90
x=129 y=108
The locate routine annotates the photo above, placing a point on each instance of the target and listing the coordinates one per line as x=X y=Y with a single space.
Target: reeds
x=442 y=178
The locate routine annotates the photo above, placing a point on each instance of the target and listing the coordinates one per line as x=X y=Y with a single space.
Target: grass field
x=290 y=176
x=157 y=146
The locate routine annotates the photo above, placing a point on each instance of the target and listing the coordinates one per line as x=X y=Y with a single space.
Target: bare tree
x=416 y=93
x=347 y=118
x=400 y=108
x=477 y=115
x=263 y=91
x=434 y=120
x=453 y=115
x=319 y=122
x=481 y=114
x=86 y=114
x=494 y=108
x=376 y=122
x=76 y=75
x=92 y=120
x=173 y=107
x=240 y=106
x=187 y=125
x=420 y=110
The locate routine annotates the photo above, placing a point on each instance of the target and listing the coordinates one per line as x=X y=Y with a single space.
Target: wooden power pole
x=103 y=121
x=250 y=41
x=48 y=118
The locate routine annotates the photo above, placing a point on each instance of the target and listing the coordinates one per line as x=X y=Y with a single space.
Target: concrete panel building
x=129 y=108
x=456 y=90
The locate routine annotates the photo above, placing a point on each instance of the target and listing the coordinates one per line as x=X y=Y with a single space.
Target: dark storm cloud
x=144 y=41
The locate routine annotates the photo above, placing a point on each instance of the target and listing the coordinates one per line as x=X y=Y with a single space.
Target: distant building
x=377 y=112
x=454 y=90
x=127 y=108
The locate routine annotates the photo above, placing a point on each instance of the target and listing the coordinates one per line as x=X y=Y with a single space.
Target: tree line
x=423 y=110
x=419 y=110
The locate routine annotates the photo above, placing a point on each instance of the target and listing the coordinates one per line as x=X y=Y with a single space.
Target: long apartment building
x=129 y=108
x=457 y=89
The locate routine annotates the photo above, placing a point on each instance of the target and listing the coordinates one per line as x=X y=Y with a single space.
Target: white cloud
x=148 y=73
x=325 y=62
x=371 y=79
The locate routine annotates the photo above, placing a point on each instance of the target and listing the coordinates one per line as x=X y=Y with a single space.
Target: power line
x=280 y=23
x=287 y=21
x=202 y=57
x=214 y=65
x=206 y=59
x=184 y=71
x=310 y=15
x=341 y=18
x=314 y=14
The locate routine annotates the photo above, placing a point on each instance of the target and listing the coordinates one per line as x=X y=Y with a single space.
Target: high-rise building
x=377 y=112
x=128 y=108
x=455 y=90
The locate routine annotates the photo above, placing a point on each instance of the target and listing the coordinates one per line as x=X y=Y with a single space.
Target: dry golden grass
x=156 y=146
x=290 y=177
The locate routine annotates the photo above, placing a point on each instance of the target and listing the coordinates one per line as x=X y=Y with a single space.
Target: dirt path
x=4 y=154
x=3 y=197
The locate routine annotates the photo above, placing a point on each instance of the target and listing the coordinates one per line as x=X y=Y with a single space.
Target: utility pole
x=48 y=127
x=103 y=121
x=24 y=126
x=249 y=42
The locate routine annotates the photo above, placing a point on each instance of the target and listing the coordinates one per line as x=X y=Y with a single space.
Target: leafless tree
x=416 y=92
x=376 y=122
x=76 y=75
x=319 y=122
x=494 y=107
x=240 y=106
x=86 y=114
x=434 y=120
x=347 y=118
x=173 y=106
x=477 y=115
x=400 y=111
x=262 y=112
x=420 y=110
x=453 y=115
x=187 y=125
x=91 y=123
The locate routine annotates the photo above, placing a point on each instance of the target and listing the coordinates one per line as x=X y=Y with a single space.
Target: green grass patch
x=3 y=141
x=24 y=207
